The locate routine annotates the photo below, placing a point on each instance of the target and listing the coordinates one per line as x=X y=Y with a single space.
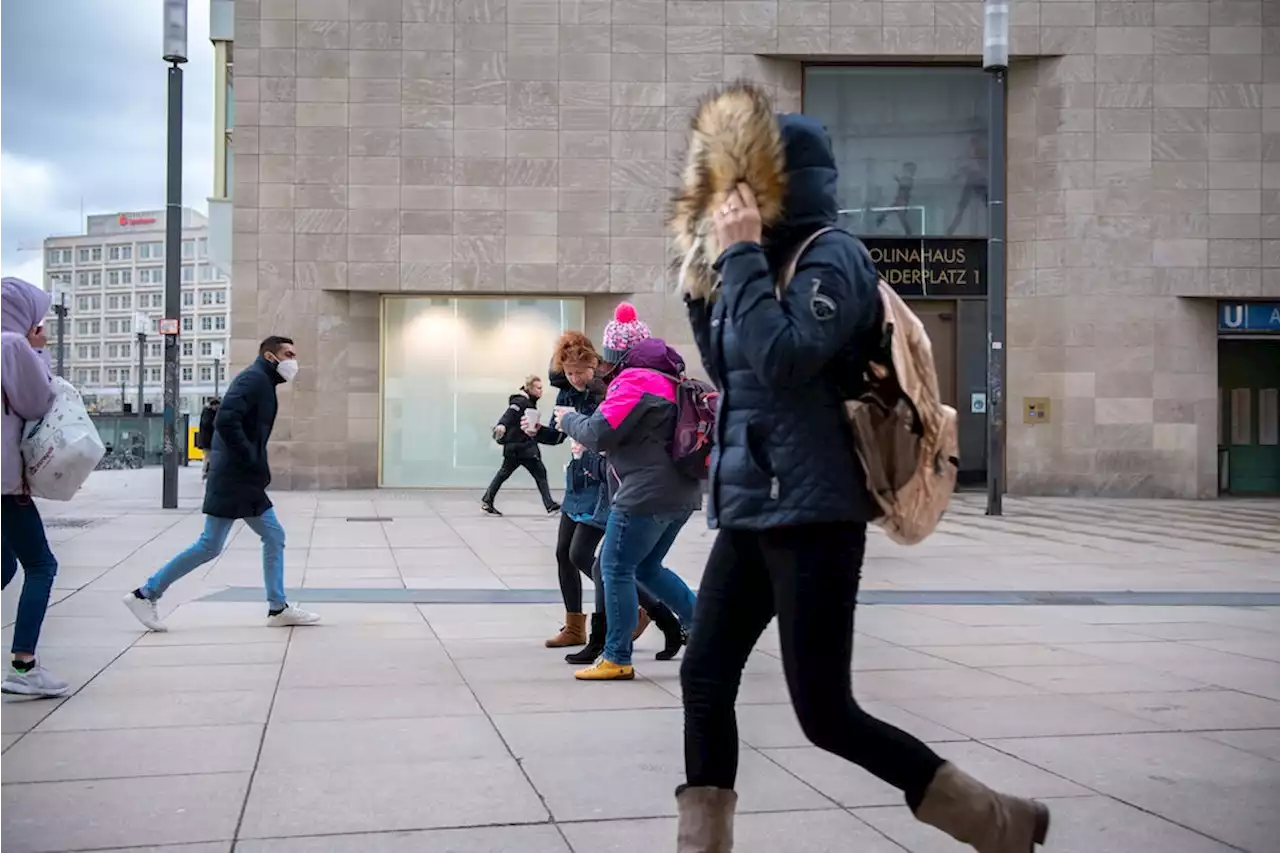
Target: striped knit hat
x=623 y=332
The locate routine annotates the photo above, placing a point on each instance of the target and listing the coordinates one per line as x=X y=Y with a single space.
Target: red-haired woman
x=584 y=512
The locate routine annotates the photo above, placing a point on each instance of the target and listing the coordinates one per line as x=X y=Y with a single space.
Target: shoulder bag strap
x=788 y=273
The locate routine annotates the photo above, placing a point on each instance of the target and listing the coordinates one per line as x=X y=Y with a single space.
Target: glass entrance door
x=1249 y=396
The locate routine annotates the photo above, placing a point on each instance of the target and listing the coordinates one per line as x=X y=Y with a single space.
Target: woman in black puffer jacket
x=786 y=491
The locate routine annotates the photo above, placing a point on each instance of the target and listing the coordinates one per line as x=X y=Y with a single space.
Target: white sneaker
x=145 y=611
x=36 y=681
x=292 y=615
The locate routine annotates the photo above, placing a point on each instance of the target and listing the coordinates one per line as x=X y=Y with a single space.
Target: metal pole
x=62 y=334
x=173 y=287
x=142 y=356
x=217 y=375
x=996 y=250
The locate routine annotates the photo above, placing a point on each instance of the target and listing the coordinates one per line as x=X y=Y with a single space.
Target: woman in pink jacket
x=28 y=395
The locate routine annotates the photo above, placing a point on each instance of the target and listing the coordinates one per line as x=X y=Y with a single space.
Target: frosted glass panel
x=1269 y=416
x=449 y=366
x=1241 y=416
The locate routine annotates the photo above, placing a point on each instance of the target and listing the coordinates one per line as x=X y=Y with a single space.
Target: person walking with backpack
x=787 y=495
x=237 y=489
x=651 y=498
x=28 y=396
x=519 y=447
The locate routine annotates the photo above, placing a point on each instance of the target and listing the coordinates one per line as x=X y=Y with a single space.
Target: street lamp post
x=995 y=61
x=141 y=324
x=60 y=310
x=175 y=53
x=218 y=353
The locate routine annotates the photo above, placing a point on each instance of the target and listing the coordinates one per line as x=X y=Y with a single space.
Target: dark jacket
x=783 y=453
x=515 y=441
x=634 y=427
x=238 y=472
x=582 y=481
x=204 y=436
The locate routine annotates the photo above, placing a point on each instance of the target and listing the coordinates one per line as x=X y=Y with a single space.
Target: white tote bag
x=60 y=450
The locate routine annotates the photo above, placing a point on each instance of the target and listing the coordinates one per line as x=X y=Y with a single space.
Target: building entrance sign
x=931 y=266
x=1249 y=317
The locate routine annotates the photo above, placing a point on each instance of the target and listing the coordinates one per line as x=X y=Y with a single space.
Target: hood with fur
x=734 y=139
x=786 y=160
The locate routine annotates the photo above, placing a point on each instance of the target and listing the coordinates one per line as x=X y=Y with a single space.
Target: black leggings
x=808 y=576
x=575 y=552
x=532 y=464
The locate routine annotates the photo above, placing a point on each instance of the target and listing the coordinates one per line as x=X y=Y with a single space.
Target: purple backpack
x=694 y=436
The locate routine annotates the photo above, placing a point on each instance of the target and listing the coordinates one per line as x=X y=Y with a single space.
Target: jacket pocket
x=757 y=446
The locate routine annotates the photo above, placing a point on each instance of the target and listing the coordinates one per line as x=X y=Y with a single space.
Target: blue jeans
x=633 y=550
x=24 y=542
x=210 y=545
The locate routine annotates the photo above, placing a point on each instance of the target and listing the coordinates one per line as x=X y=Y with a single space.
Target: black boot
x=672 y=631
x=595 y=643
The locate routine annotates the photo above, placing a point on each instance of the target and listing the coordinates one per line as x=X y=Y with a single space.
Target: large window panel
x=449 y=365
x=910 y=144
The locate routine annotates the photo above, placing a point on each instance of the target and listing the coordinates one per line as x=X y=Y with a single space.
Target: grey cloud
x=84 y=91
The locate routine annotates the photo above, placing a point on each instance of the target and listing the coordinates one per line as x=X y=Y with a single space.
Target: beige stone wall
x=527 y=146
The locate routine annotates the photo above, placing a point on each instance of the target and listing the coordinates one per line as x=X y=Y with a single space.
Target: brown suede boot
x=642 y=623
x=706 y=820
x=574 y=632
x=989 y=821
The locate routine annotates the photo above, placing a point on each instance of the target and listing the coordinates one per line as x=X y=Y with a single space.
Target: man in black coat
x=519 y=448
x=204 y=436
x=237 y=488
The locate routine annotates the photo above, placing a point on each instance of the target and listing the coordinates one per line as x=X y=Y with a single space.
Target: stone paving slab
x=1079 y=651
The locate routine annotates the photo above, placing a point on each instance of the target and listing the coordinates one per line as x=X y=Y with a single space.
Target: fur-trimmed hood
x=785 y=159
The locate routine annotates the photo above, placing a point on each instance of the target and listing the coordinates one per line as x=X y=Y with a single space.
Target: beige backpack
x=905 y=438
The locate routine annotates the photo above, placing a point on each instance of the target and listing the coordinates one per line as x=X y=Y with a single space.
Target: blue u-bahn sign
x=1249 y=318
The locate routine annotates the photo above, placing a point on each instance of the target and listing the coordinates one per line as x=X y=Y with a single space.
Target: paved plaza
x=1120 y=659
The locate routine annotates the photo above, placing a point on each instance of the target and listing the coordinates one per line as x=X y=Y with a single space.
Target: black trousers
x=808 y=577
x=575 y=553
x=533 y=465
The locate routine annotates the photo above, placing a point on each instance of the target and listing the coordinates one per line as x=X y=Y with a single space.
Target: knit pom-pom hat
x=623 y=332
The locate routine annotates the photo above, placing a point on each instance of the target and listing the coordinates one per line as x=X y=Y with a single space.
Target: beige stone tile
x=129 y=813
x=528 y=839
x=383 y=797
x=1090 y=823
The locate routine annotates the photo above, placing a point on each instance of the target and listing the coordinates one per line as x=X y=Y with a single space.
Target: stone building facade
x=514 y=148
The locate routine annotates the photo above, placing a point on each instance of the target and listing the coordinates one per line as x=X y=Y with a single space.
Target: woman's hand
x=738 y=219
x=37 y=338
x=560 y=412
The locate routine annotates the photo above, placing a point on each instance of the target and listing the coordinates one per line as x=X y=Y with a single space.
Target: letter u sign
x=1233 y=316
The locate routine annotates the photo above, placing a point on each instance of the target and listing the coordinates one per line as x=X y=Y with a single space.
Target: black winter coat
x=239 y=473
x=204 y=436
x=783 y=454
x=516 y=443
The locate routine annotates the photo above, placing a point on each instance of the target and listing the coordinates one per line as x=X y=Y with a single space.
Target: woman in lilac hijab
x=28 y=395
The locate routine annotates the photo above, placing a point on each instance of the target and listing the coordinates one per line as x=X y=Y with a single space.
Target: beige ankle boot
x=706 y=820
x=642 y=623
x=989 y=821
x=574 y=632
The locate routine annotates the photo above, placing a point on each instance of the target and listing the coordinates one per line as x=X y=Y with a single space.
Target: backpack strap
x=789 y=272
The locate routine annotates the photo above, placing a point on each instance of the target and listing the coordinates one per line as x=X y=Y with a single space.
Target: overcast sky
x=82 y=117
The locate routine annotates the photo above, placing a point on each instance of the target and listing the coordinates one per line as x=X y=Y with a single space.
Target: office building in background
x=113 y=275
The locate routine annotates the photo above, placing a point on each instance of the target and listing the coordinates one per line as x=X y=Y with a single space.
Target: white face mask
x=287 y=369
